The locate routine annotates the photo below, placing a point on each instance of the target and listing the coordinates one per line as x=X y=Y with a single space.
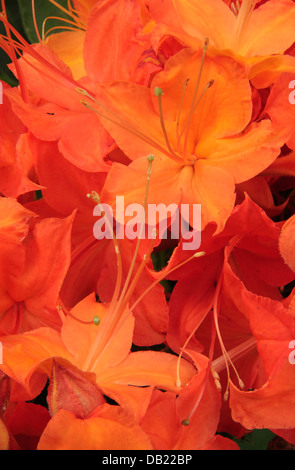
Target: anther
x=87 y=105
x=185 y=422
x=93 y=195
x=216 y=379
x=96 y=320
x=226 y=395
x=81 y=91
x=84 y=93
x=158 y=91
x=199 y=254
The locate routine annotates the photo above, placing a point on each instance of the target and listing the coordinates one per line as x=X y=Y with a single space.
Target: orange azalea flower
x=200 y=132
x=52 y=110
x=253 y=326
x=25 y=423
x=107 y=428
x=256 y=36
x=34 y=261
x=96 y=338
x=93 y=262
x=68 y=45
x=101 y=349
x=16 y=162
x=120 y=45
x=21 y=423
x=176 y=423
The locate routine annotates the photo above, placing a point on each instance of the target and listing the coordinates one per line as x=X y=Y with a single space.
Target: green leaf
x=44 y=9
x=14 y=17
x=256 y=440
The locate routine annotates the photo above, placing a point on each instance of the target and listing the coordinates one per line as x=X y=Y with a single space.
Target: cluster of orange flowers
x=139 y=343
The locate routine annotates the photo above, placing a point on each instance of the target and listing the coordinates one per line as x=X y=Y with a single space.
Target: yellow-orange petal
x=66 y=432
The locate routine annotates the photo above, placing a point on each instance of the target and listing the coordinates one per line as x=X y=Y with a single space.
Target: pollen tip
x=210 y=83
x=150 y=158
x=225 y=396
x=178 y=383
x=185 y=422
x=199 y=254
x=93 y=195
x=158 y=91
x=81 y=91
x=96 y=320
x=241 y=384
x=87 y=105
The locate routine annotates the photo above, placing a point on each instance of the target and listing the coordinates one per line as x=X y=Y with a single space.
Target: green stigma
x=158 y=91
x=185 y=422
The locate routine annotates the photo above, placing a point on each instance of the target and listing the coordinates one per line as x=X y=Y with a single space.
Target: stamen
x=150 y=160
x=158 y=93
x=123 y=124
x=24 y=46
x=185 y=422
x=235 y=353
x=179 y=112
x=223 y=349
x=69 y=12
x=96 y=320
x=74 y=26
x=12 y=55
x=161 y=278
x=117 y=306
x=192 y=109
x=95 y=197
x=62 y=308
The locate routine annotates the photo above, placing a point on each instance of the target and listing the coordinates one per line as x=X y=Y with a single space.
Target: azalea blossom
x=135 y=342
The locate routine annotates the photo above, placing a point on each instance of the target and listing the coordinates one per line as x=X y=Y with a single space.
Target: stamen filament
x=162 y=277
x=12 y=55
x=74 y=28
x=35 y=21
x=24 y=46
x=96 y=198
x=180 y=111
x=68 y=12
x=124 y=126
x=178 y=381
x=159 y=93
x=65 y=310
x=234 y=353
x=188 y=122
x=150 y=161
x=117 y=306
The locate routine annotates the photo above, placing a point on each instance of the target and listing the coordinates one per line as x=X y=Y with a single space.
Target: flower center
x=181 y=153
